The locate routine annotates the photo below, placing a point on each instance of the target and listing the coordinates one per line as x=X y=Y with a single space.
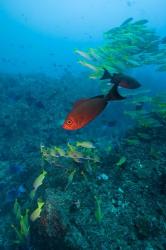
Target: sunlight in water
x=72 y=17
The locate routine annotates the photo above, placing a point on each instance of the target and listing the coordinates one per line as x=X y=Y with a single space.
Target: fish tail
x=113 y=94
x=106 y=75
x=40 y=204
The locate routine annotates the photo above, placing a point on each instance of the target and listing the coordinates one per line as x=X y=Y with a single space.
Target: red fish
x=85 y=110
x=121 y=79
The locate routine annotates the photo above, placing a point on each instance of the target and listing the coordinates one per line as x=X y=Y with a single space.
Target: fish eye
x=69 y=122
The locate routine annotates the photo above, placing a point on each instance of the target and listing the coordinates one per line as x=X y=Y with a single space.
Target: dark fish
x=128 y=20
x=121 y=79
x=86 y=110
x=141 y=22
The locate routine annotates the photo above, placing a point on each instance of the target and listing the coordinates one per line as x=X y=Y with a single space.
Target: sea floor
x=110 y=197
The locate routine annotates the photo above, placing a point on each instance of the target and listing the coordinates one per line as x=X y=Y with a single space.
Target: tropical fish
x=128 y=20
x=75 y=155
x=39 y=180
x=85 y=110
x=88 y=65
x=83 y=54
x=70 y=178
x=60 y=151
x=121 y=79
x=36 y=213
x=122 y=160
x=141 y=22
x=85 y=144
x=17 y=209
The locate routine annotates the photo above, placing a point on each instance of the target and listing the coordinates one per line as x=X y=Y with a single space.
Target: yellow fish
x=75 y=155
x=88 y=65
x=39 y=180
x=83 y=54
x=36 y=213
x=60 y=151
x=85 y=144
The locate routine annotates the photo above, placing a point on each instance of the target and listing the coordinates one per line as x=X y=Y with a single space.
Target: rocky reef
x=104 y=188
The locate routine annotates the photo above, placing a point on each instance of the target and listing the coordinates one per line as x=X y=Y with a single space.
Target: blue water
x=110 y=196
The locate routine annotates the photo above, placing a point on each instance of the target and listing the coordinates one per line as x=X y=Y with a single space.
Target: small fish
x=85 y=144
x=141 y=22
x=60 y=151
x=88 y=65
x=121 y=79
x=70 y=178
x=86 y=110
x=121 y=161
x=17 y=209
x=39 y=180
x=127 y=21
x=75 y=155
x=36 y=213
x=83 y=54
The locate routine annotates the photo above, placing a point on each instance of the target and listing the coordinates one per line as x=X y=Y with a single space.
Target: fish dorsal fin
x=106 y=75
x=77 y=103
x=98 y=96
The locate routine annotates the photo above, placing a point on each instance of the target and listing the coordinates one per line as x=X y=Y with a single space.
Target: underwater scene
x=83 y=125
